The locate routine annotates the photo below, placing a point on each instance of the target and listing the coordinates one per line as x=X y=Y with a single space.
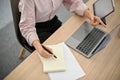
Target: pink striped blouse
x=33 y=11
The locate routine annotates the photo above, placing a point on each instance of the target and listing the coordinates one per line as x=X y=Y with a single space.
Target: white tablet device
x=103 y=8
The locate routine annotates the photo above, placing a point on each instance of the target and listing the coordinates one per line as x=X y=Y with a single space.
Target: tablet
x=103 y=8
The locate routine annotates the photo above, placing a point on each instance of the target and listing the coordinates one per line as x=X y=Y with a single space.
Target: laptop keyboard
x=90 y=41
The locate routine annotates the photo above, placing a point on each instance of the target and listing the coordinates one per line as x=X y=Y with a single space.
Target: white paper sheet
x=73 y=71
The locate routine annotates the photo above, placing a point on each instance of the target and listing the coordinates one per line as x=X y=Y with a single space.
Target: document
x=54 y=64
x=73 y=69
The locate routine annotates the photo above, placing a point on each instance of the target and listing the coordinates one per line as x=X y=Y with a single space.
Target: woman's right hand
x=41 y=50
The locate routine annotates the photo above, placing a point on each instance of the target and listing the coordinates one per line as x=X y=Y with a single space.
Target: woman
x=38 y=20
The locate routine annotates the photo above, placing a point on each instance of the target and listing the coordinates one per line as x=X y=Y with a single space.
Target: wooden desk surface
x=105 y=65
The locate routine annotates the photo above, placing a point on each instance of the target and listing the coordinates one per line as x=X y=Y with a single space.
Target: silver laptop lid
x=78 y=36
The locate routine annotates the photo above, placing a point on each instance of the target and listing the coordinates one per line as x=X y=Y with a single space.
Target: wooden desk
x=105 y=65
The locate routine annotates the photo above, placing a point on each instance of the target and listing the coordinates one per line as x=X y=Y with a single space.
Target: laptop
x=88 y=40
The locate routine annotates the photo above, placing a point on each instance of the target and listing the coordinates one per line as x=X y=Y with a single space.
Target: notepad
x=52 y=64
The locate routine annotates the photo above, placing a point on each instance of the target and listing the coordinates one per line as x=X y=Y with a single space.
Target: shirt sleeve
x=77 y=6
x=27 y=20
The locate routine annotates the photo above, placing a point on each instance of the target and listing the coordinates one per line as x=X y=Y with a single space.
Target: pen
x=49 y=51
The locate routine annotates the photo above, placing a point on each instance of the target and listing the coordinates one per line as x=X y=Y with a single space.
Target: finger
x=49 y=49
x=45 y=54
x=100 y=22
x=94 y=23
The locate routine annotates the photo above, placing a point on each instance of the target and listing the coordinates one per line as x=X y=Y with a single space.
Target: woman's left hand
x=95 y=20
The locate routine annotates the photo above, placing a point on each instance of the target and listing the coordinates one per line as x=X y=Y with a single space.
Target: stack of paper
x=65 y=62
x=73 y=71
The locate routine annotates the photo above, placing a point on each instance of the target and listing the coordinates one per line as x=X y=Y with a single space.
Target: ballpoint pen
x=49 y=51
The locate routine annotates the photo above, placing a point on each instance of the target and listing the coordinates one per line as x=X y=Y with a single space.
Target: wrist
x=37 y=45
x=88 y=14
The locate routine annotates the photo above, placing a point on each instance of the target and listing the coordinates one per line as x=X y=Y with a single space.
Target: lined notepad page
x=52 y=64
